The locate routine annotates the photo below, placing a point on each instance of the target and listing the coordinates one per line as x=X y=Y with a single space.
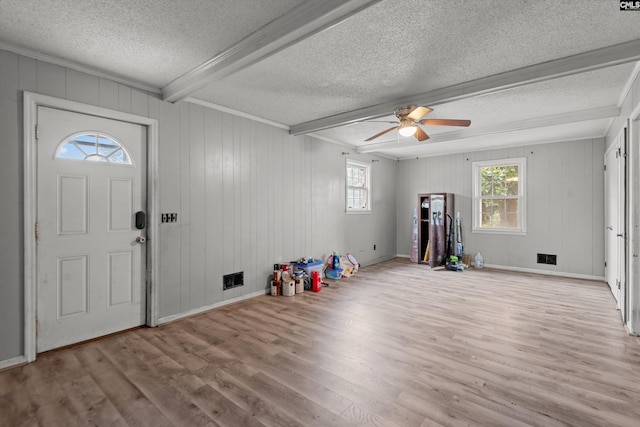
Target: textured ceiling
x=149 y=41
x=394 y=49
x=545 y=99
x=383 y=55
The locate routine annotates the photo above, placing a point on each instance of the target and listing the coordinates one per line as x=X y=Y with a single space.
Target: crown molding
x=77 y=67
x=238 y=113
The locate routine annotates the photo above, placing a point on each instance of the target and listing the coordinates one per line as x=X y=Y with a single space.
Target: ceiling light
x=407 y=128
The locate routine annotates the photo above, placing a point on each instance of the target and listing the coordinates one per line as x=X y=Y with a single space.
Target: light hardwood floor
x=397 y=345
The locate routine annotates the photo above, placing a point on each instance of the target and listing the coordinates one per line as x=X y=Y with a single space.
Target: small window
x=499 y=196
x=93 y=147
x=358 y=187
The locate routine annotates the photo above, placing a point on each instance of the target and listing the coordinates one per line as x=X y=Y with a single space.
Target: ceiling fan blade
x=445 y=122
x=379 y=121
x=421 y=135
x=418 y=113
x=381 y=133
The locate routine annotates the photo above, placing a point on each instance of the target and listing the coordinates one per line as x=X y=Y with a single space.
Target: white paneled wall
x=11 y=242
x=565 y=212
x=247 y=195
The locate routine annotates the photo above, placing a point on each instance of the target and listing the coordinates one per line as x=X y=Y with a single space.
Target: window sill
x=499 y=231
x=358 y=212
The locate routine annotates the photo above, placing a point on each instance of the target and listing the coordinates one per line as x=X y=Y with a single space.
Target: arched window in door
x=93 y=147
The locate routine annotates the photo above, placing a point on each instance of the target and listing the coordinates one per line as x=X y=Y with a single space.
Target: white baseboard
x=376 y=260
x=536 y=271
x=627 y=327
x=546 y=272
x=12 y=362
x=210 y=307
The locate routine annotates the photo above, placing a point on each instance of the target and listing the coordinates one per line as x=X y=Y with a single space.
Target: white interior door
x=613 y=230
x=91 y=261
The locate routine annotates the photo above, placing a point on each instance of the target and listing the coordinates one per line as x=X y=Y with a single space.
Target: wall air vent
x=232 y=280
x=547 y=259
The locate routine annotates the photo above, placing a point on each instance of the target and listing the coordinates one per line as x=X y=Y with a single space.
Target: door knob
x=609 y=227
x=141 y=239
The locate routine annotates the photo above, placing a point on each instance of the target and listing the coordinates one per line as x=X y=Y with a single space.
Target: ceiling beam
x=518 y=125
x=304 y=20
x=575 y=64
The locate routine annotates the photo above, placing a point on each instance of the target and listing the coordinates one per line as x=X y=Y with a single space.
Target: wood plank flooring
x=397 y=345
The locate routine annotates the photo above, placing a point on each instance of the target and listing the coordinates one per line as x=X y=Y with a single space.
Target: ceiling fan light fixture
x=409 y=119
x=407 y=128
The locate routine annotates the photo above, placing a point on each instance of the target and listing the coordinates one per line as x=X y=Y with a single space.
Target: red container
x=316 y=284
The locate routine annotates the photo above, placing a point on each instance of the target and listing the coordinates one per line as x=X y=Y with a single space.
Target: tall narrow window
x=93 y=147
x=358 y=186
x=499 y=196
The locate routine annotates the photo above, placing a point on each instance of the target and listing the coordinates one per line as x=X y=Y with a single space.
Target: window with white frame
x=358 y=186
x=499 y=196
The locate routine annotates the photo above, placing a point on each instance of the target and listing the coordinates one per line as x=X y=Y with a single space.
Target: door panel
x=90 y=269
x=119 y=281
x=120 y=204
x=72 y=205
x=72 y=286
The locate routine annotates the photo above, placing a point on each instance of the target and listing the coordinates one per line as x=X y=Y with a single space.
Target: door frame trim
x=633 y=217
x=30 y=114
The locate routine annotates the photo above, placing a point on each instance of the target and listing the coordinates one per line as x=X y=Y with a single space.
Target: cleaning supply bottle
x=336 y=261
x=479 y=260
x=316 y=283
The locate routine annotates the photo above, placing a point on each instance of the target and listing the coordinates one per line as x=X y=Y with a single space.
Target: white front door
x=91 y=181
x=613 y=229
